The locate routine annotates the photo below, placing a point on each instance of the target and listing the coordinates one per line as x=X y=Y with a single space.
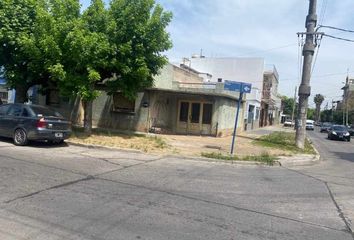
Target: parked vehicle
x=351 y=130
x=338 y=132
x=24 y=122
x=325 y=126
x=289 y=123
x=310 y=125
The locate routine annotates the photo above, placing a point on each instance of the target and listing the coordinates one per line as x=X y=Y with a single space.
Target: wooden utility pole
x=305 y=89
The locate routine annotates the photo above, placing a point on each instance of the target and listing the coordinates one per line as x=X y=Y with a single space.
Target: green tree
x=138 y=36
x=288 y=104
x=318 y=100
x=30 y=35
x=86 y=52
x=311 y=113
x=17 y=23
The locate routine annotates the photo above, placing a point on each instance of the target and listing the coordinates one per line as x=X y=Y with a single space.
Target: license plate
x=58 y=135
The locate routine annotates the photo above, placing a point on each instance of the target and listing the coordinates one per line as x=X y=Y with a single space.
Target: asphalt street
x=70 y=192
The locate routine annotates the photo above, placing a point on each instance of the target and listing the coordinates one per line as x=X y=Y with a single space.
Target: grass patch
x=284 y=141
x=263 y=158
x=120 y=140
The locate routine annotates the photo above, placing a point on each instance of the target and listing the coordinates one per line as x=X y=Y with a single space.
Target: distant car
x=325 y=127
x=289 y=123
x=338 y=132
x=351 y=130
x=310 y=125
x=24 y=122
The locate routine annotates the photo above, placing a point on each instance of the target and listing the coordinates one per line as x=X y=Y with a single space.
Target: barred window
x=123 y=104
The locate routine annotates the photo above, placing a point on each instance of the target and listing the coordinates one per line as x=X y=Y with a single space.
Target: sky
x=267 y=29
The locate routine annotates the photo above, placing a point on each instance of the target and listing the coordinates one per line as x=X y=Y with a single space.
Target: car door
x=3 y=111
x=11 y=120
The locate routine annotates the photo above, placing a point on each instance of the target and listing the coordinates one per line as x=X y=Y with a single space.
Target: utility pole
x=294 y=105
x=305 y=89
x=332 y=112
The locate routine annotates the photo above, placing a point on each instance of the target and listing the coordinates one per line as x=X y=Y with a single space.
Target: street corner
x=299 y=160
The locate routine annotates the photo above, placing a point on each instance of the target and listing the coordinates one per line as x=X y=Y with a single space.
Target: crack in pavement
x=224 y=205
x=339 y=210
x=50 y=188
x=44 y=165
x=86 y=178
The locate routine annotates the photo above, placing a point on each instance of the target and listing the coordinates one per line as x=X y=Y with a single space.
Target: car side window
x=15 y=111
x=25 y=113
x=4 y=109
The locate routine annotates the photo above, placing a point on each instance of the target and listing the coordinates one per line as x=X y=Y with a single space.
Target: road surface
x=69 y=192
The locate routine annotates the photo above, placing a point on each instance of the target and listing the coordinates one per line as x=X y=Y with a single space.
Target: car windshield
x=326 y=125
x=45 y=112
x=339 y=128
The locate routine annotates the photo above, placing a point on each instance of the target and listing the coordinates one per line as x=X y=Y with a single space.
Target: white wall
x=249 y=70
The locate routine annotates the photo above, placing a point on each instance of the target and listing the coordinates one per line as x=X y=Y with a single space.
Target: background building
x=249 y=70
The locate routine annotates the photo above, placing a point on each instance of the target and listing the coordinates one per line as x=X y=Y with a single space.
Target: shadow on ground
x=347 y=156
x=37 y=144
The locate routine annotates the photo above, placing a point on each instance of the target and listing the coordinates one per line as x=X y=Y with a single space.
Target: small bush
x=263 y=158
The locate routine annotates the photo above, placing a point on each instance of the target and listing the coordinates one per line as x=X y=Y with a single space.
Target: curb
x=92 y=146
x=191 y=158
x=299 y=160
x=238 y=162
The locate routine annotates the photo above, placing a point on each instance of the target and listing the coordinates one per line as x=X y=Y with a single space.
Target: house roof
x=212 y=94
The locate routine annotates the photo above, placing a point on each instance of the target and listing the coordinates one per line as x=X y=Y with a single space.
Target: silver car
x=24 y=122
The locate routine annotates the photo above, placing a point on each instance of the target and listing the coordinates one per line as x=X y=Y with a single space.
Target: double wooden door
x=194 y=117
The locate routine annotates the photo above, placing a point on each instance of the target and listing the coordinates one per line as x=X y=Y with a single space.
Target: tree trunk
x=21 y=94
x=88 y=117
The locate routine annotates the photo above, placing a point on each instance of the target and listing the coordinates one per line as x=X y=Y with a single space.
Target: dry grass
x=149 y=144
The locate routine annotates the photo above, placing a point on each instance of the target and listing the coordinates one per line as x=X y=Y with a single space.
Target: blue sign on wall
x=237 y=86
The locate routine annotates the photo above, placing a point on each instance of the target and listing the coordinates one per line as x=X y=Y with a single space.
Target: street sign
x=237 y=86
x=242 y=88
x=246 y=87
x=232 y=86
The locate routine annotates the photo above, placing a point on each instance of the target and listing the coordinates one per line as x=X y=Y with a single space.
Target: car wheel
x=20 y=137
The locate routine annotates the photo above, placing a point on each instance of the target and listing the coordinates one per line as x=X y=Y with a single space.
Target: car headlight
x=346 y=134
x=334 y=133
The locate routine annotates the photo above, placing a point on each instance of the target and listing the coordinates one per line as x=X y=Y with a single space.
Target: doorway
x=194 y=117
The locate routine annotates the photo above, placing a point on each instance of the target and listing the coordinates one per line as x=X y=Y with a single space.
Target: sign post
x=242 y=88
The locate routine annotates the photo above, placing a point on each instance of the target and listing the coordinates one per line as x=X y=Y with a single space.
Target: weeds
x=285 y=141
x=263 y=158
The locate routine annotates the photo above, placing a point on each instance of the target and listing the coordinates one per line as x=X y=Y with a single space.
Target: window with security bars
x=123 y=104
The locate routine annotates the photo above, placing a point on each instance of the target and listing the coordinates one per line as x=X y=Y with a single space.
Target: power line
x=336 y=28
x=268 y=50
x=339 y=38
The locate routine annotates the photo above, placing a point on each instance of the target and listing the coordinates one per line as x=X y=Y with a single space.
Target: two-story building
x=271 y=102
x=249 y=70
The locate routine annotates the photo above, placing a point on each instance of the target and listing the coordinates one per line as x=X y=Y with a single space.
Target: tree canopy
x=52 y=43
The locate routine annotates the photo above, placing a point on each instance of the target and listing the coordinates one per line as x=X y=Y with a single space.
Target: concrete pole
x=305 y=89
x=346 y=111
x=294 y=105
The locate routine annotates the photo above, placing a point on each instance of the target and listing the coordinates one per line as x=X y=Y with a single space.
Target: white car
x=310 y=125
x=289 y=123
